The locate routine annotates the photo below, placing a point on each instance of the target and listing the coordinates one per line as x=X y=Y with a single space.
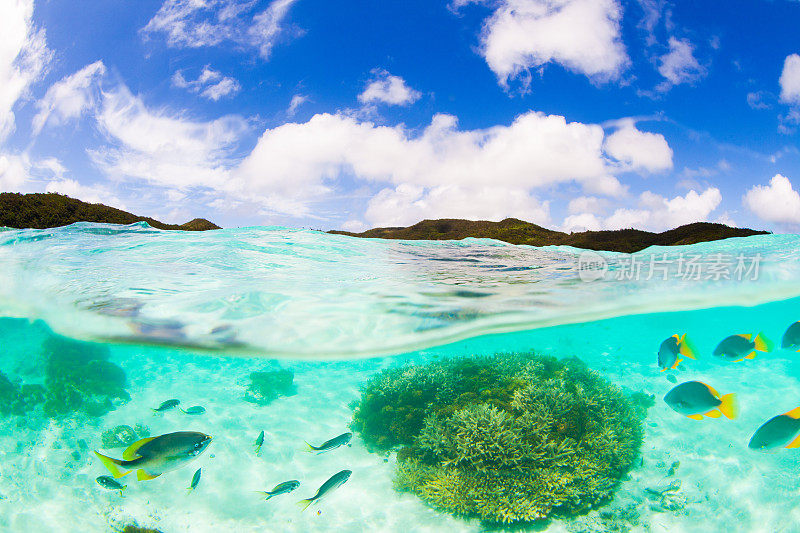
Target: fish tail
x=686 y=348
x=763 y=344
x=305 y=503
x=729 y=406
x=264 y=493
x=310 y=447
x=113 y=465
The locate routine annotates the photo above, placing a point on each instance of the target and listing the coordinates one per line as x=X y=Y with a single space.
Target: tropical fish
x=259 y=442
x=335 y=481
x=741 y=347
x=108 y=482
x=331 y=444
x=791 y=339
x=195 y=480
x=782 y=431
x=670 y=351
x=153 y=456
x=195 y=410
x=695 y=399
x=166 y=406
x=281 y=488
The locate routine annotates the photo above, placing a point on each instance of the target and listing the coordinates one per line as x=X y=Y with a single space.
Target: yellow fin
x=795 y=443
x=729 y=406
x=305 y=503
x=714 y=413
x=130 y=453
x=794 y=413
x=751 y=355
x=762 y=343
x=113 y=465
x=695 y=417
x=711 y=389
x=677 y=362
x=141 y=475
x=686 y=348
x=745 y=335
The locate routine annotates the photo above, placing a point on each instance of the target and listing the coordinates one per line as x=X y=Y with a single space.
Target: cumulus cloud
x=94 y=194
x=70 y=97
x=777 y=202
x=654 y=212
x=407 y=204
x=580 y=35
x=790 y=80
x=679 y=65
x=162 y=148
x=638 y=149
x=388 y=89
x=203 y=23
x=23 y=58
x=209 y=84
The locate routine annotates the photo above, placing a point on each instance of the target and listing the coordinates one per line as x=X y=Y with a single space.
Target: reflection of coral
x=509 y=438
x=267 y=386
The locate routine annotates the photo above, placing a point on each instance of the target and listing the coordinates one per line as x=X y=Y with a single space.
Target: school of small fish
x=696 y=400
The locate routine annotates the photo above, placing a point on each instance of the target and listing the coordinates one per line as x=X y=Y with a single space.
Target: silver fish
x=281 y=488
x=331 y=444
x=167 y=405
x=108 y=482
x=195 y=479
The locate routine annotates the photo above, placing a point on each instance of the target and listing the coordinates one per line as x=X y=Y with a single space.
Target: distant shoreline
x=515 y=231
x=51 y=210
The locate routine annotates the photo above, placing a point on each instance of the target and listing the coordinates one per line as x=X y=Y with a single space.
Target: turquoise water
x=191 y=315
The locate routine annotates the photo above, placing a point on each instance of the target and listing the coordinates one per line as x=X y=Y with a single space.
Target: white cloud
x=581 y=35
x=388 y=89
x=790 y=80
x=297 y=101
x=654 y=212
x=14 y=172
x=408 y=204
x=210 y=84
x=355 y=226
x=638 y=149
x=70 y=97
x=586 y=204
x=756 y=100
x=679 y=64
x=163 y=148
x=202 y=23
x=23 y=58
x=777 y=202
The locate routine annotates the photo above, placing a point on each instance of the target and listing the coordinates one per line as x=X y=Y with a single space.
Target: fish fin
x=714 y=413
x=747 y=336
x=795 y=443
x=794 y=413
x=305 y=503
x=141 y=475
x=763 y=344
x=310 y=447
x=686 y=348
x=711 y=389
x=751 y=355
x=264 y=493
x=113 y=465
x=677 y=362
x=130 y=452
x=665 y=369
x=729 y=406
x=695 y=417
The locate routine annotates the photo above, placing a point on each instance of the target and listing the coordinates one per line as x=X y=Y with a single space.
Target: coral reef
x=123 y=436
x=269 y=385
x=79 y=376
x=514 y=437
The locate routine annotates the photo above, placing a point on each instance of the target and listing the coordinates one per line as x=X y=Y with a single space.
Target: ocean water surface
x=101 y=324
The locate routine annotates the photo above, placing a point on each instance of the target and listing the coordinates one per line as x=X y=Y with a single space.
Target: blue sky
x=574 y=114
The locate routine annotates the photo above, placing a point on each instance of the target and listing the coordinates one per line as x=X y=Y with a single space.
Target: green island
x=50 y=210
x=515 y=231
x=507 y=438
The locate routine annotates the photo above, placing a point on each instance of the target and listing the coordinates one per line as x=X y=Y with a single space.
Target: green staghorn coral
x=506 y=438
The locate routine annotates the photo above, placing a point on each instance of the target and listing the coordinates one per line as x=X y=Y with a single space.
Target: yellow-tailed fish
x=695 y=399
x=782 y=431
x=281 y=488
x=791 y=339
x=671 y=350
x=334 y=482
x=328 y=445
x=153 y=456
x=742 y=346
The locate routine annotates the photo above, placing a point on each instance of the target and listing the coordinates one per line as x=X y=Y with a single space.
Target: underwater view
x=273 y=379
